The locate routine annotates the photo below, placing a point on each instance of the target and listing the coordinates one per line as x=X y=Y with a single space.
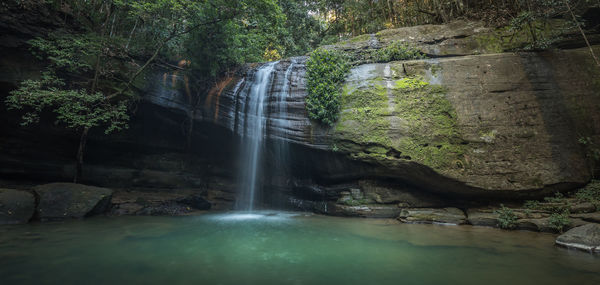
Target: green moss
x=433 y=137
x=435 y=68
x=512 y=38
x=364 y=119
x=396 y=50
x=360 y=38
x=356 y=202
x=409 y=83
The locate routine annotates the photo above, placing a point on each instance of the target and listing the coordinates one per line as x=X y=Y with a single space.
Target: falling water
x=281 y=121
x=255 y=121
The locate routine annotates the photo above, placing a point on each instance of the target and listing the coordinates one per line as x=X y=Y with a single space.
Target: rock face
x=433 y=215
x=473 y=124
x=68 y=200
x=586 y=237
x=16 y=207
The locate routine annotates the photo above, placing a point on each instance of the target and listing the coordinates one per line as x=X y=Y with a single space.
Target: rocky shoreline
x=61 y=201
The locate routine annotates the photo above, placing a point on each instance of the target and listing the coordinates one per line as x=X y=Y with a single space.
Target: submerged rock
x=16 y=207
x=430 y=215
x=69 y=200
x=586 y=237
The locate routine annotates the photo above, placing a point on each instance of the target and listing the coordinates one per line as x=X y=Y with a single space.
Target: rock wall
x=504 y=124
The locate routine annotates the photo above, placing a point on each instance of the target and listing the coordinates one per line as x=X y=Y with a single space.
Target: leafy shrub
x=558 y=198
x=532 y=204
x=353 y=202
x=506 y=217
x=325 y=70
x=590 y=193
x=397 y=50
x=558 y=221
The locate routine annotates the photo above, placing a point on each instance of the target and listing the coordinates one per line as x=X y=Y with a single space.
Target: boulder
x=586 y=237
x=16 y=207
x=69 y=200
x=453 y=216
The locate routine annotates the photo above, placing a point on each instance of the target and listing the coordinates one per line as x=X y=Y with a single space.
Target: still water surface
x=282 y=248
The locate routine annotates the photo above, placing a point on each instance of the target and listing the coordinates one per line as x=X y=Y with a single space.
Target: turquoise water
x=282 y=248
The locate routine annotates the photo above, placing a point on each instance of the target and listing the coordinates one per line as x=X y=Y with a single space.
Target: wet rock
x=345 y=197
x=16 y=207
x=367 y=211
x=586 y=237
x=432 y=215
x=482 y=217
x=589 y=217
x=356 y=194
x=125 y=209
x=170 y=208
x=586 y=207
x=69 y=200
x=386 y=193
x=195 y=201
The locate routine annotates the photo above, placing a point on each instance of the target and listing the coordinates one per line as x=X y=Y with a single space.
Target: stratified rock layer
x=433 y=215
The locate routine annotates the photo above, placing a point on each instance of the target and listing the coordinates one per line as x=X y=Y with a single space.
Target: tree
x=91 y=71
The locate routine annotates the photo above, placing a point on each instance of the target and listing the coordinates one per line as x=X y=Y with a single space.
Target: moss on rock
x=433 y=136
x=364 y=116
x=430 y=134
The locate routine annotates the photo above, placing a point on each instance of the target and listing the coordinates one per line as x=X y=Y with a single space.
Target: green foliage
x=506 y=217
x=76 y=108
x=75 y=104
x=532 y=204
x=355 y=202
x=434 y=138
x=397 y=50
x=67 y=51
x=325 y=70
x=558 y=221
x=590 y=193
x=592 y=152
x=557 y=198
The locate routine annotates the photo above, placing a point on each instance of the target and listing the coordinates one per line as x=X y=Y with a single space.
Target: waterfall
x=253 y=132
x=281 y=122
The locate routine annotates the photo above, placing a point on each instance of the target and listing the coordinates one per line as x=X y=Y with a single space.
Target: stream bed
x=270 y=247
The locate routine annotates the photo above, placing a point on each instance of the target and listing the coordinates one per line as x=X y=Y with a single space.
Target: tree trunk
x=82 y=142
